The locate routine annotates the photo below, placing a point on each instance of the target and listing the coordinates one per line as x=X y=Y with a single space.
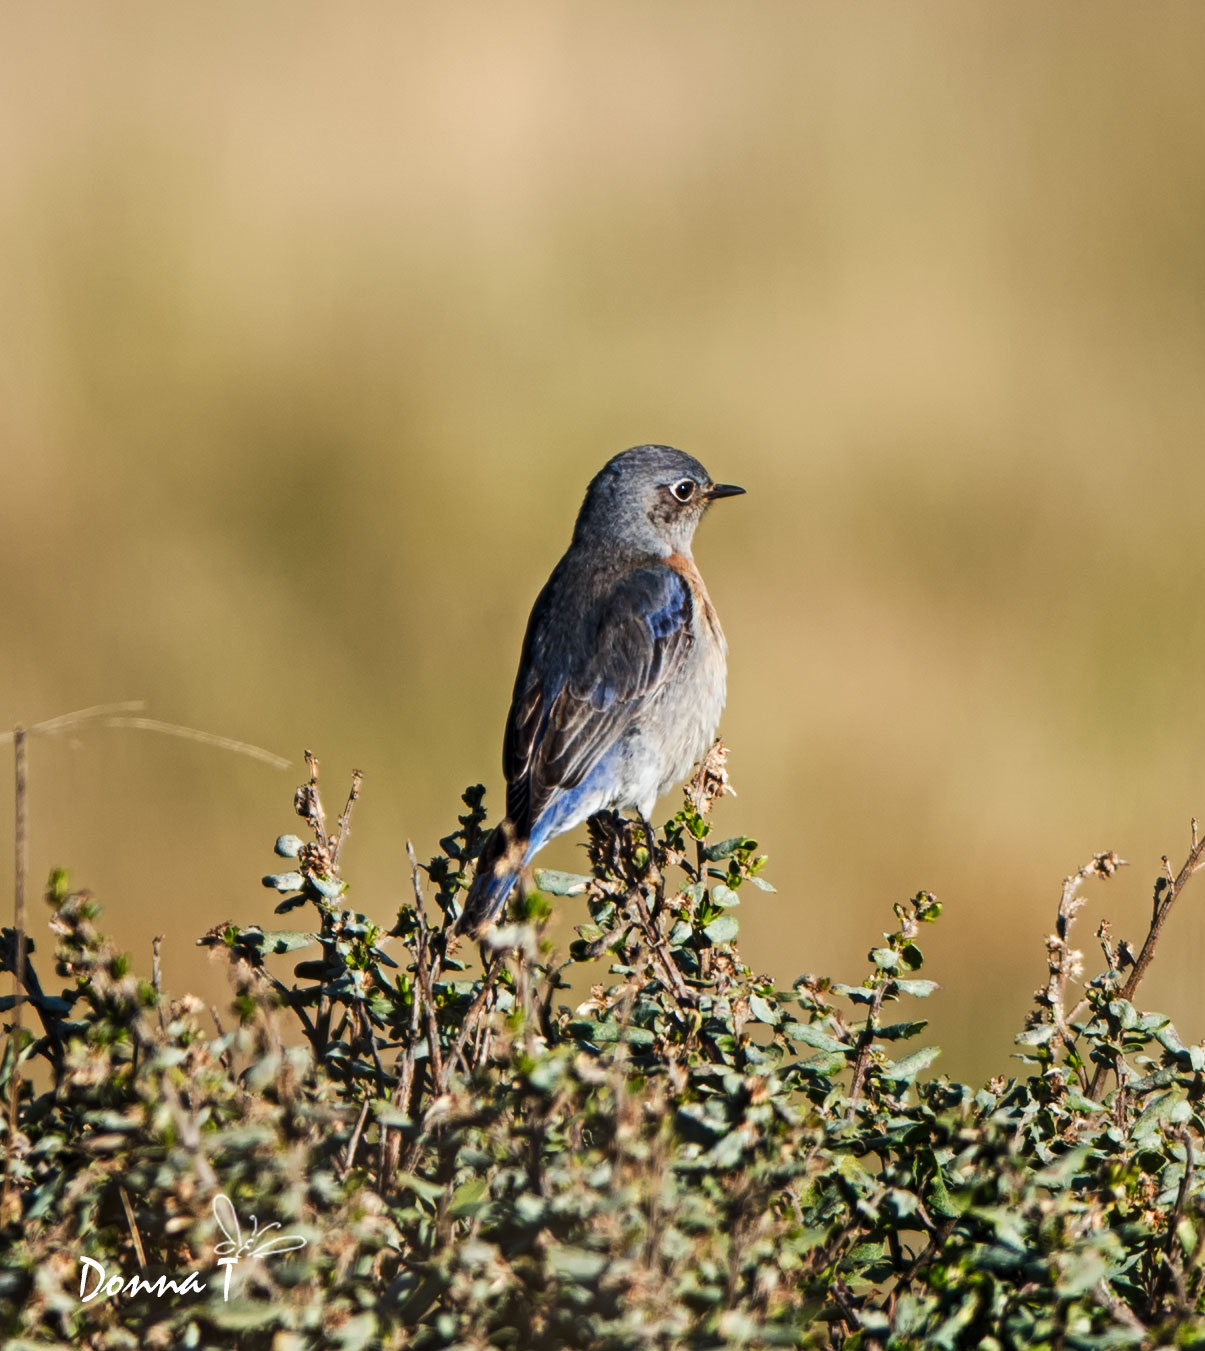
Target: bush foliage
x=691 y=1156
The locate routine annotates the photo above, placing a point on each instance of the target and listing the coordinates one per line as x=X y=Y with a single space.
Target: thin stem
x=1170 y=889
x=353 y=1144
x=1167 y=891
x=345 y=819
x=64 y=722
x=118 y=715
x=426 y=959
x=21 y=839
x=222 y=743
x=134 y=1234
x=862 y=1058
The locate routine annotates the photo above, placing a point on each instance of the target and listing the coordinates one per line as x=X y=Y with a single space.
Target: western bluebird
x=622 y=675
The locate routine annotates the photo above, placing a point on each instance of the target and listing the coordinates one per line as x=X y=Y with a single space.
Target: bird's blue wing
x=570 y=707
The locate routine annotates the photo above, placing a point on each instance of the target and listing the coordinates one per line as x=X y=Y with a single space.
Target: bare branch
x=1065 y=963
x=20 y=990
x=65 y=722
x=134 y=1234
x=344 y=825
x=222 y=743
x=1167 y=890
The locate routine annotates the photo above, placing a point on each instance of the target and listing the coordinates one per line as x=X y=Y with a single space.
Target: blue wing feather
x=570 y=706
x=583 y=677
x=669 y=611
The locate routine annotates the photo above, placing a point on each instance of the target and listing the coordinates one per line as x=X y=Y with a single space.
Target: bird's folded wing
x=569 y=708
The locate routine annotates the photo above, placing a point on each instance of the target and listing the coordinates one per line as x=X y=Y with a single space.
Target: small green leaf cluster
x=681 y=1154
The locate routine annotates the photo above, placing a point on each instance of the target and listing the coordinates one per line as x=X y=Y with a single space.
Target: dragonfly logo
x=258 y=1243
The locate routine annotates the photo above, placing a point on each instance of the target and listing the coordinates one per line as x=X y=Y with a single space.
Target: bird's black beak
x=723 y=490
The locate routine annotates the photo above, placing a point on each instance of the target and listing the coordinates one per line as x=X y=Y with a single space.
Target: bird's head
x=648 y=500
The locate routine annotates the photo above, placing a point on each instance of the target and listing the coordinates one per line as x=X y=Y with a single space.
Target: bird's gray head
x=648 y=501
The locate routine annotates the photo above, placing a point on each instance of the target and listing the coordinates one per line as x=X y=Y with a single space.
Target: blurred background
x=315 y=323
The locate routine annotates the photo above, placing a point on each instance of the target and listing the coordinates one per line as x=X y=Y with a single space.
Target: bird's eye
x=684 y=489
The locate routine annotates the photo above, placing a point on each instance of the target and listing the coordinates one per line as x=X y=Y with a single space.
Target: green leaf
x=561 y=884
x=1036 y=1036
x=241 y=1315
x=723 y=930
x=287 y=940
x=468 y=1198
x=429 y=1191
x=284 y=881
x=605 y=1033
x=813 y=1036
x=726 y=848
x=1075 y=1101
x=919 y=989
x=728 y=1151
x=1061 y=1171
x=1007 y=1224
x=547 y=1073
x=937 y=1194
x=1167 y=1109
x=905 y=1071
x=1079 y=1272
x=900 y=1031
x=578 y=1264
x=356 y=1333
x=858 y=994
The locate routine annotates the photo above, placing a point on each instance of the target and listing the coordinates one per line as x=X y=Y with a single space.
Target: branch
x=20 y=989
x=1167 y=889
x=118 y=715
x=865 y=1041
x=1063 y=962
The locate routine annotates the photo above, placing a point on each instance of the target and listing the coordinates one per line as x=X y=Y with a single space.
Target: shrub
x=690 y=1157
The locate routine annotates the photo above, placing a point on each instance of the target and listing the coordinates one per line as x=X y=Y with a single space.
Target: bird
x=623 y=669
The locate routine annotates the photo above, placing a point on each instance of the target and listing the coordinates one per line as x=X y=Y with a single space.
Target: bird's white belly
x=675 y=731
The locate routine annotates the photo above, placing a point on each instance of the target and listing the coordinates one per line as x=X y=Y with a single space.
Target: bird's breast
x=707 y=622
x=686 y=712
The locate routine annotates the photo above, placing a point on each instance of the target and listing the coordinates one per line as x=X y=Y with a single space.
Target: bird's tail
x=498 y=870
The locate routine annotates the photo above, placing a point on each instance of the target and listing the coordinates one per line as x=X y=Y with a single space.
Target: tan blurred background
x=316 y=320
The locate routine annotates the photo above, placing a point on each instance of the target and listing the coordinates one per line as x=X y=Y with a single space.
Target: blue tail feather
x=495 y=879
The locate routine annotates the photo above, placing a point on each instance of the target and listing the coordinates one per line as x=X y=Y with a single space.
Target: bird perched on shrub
x=622 y=675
